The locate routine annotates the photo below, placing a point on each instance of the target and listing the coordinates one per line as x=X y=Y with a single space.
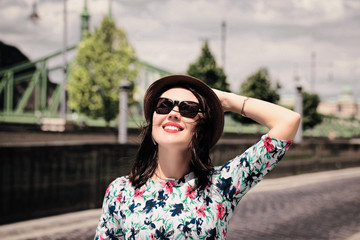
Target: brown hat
x=161 y=85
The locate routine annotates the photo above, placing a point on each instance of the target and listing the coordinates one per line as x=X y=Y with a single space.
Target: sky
x=286 y=37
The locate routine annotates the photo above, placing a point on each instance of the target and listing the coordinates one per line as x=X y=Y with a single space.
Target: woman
x=173 y=192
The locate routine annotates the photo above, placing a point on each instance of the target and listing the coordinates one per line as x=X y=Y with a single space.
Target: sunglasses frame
x=178 y=103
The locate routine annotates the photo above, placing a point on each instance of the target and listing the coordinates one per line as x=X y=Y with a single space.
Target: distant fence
x=47 y=180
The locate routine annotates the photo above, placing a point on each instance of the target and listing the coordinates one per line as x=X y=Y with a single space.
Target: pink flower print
x=220 y=210
x=288 y=143
x=139 y=192
x=152 y=237
x=208 y=185
x=268 y=145
x=238 y=188
x=224 y=233
x=168 y=185
x=101 y=236
x=119 y=198
x=200 y=211
x=107 y=190
x=267 y=165
x=189 y=192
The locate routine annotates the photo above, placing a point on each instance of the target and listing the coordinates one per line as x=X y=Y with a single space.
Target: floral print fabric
x=172 y=210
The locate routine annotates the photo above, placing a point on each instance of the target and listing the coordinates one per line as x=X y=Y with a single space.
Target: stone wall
x=37 y=181
x=42 y=181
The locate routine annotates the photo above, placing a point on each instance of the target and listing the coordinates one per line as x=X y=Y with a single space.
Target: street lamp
x=123 y=111
x=34 y=16
x=299 y=109
x=63 y=83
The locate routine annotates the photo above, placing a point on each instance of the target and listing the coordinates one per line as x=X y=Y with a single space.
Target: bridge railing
x=27 y=95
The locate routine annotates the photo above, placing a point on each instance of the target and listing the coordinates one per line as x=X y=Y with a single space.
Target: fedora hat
x=161 y=85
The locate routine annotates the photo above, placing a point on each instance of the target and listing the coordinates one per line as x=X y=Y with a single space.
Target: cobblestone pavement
x=329 y=209
x=322 y=205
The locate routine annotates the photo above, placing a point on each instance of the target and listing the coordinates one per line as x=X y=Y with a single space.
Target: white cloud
x=327 y=10
x=169 y=33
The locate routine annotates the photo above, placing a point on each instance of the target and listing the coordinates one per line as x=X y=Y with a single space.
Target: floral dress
x=172 y=210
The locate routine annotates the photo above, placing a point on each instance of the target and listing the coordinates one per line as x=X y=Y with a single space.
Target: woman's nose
x=174 y=112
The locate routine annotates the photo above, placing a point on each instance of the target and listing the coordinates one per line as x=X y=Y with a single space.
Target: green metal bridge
x=27 y=94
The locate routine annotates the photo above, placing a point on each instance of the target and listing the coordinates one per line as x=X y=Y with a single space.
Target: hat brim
x=161 y=85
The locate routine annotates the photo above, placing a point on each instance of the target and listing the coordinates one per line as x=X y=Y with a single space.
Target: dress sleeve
x=109 y=223
x=238 y=176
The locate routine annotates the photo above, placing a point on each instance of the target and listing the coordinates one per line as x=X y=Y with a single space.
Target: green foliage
x=258 y=85
x=311 y=117
x=103 y=60
x=205 y=68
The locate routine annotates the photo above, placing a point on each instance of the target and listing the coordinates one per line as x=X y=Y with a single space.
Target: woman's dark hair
x=146 y=158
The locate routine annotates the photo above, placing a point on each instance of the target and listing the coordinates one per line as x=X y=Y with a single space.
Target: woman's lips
x=172 y=127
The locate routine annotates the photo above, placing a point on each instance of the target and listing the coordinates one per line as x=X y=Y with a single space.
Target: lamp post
x=298 y=105
x=223 y=43
x=110 y=9
x=299 y=109
x=123 y=109
x=63 y=83
x=34 y=16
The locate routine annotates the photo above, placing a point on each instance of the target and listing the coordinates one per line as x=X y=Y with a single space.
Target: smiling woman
x=172 y=128
x=173 y=191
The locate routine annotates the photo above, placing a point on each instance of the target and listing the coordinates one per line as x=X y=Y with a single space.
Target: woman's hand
x=282 y=122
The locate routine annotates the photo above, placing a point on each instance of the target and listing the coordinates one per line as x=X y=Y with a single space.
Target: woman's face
x=172 y=129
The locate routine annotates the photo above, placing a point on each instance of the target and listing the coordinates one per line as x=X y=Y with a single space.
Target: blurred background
x=73 y=74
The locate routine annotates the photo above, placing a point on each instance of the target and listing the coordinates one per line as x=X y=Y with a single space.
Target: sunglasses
x=187 y=109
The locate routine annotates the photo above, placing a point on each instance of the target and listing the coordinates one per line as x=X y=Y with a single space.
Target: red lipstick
x=172 y=127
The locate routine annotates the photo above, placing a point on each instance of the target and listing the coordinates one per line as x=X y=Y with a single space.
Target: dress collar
x=175 y=182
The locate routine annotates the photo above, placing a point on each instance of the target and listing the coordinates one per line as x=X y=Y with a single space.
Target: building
x=345 y=105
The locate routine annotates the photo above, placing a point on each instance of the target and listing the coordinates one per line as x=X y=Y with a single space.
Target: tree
x=310 y=115
x=258 y=85
x=205 y=68
x=104 y=59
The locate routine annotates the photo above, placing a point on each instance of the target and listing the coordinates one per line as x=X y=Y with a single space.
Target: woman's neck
x=172 y=164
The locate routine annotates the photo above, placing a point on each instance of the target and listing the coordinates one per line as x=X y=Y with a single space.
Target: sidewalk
x=51 y=226
x=86 y=221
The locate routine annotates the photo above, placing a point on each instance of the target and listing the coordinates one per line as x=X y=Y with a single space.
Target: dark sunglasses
x=187 y=109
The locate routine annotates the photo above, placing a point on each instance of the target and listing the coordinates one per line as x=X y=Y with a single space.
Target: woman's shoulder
x=122 y=181
x=119 y=184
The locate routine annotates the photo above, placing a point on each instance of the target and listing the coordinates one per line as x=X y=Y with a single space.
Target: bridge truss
x=27 y=94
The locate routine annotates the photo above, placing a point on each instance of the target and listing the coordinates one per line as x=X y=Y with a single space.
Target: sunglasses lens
x=189 y=109
x=164 y=106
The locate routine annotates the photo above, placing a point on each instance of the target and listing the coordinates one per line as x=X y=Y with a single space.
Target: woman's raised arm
x=282 y=122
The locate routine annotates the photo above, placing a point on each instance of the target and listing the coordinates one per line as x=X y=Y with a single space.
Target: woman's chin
x=174 y=144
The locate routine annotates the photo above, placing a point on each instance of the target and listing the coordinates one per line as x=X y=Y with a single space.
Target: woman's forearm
x=282 y=122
